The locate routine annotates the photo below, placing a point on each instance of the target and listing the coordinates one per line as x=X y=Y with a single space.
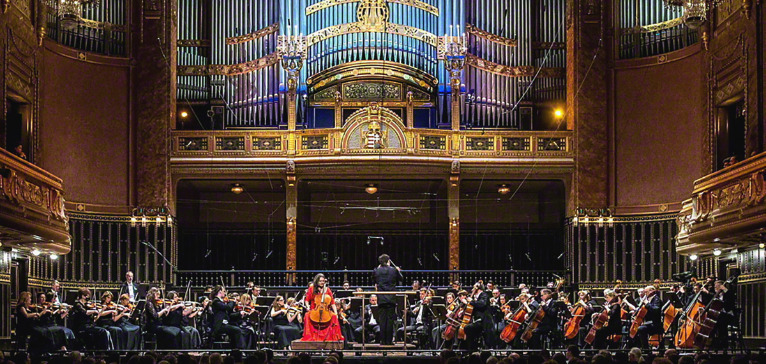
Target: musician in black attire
x=26 y=325
x=549 y=323
x=130 y=287
x=53 y=295
x=386 y=279
x=168 y=337
x=371 y=324
x=106 y=320
x=49 y=314
x=613 y=326
x=420 y=319
x=652 y=320
x=222 y=312
x=82 y=323
x=124 y=321
x=726 y=317
x=483 y=323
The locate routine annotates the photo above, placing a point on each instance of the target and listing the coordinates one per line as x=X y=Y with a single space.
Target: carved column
x=291 y=215
x=154 y=102
x=292 y=50
x=453 y=211
x=587 y=100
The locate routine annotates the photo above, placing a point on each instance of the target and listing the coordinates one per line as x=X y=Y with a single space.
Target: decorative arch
x=375 y=129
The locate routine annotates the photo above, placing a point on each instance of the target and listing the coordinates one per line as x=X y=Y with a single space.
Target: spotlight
x=237 y=188
x=716 y=252
x=184 y=114
x=693 y=257
x=54 y=256
x=158 y=220
x=559 y=113
x=503 y=189
x=762 y=245
x=170 y=219
x=36 y=252
x=371 y=188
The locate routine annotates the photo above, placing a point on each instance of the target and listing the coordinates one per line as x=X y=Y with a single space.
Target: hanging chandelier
x=695 y=13
x=70 y=12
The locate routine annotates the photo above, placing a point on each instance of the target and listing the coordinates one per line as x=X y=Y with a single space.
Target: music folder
x=264 y=300
x=440 y=311
x=343 y=293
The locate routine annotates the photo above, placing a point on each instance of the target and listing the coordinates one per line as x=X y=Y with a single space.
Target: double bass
x=709 y=320
x=454 y=319
x=688 y=324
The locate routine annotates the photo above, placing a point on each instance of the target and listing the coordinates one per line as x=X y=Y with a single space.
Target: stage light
x=170 y=219
x=503 y=189
x=716 y=252
x=762 y=245
x=693 y=257
x=158 y=220
x=559 y=113
x=133 y=221
x=36 y=252
x=184 y=114
x=371 y=188
x=237 y=189
x=54 y=256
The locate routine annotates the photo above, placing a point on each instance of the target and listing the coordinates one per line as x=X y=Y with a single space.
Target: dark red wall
x=659 y=123
x=84 y=127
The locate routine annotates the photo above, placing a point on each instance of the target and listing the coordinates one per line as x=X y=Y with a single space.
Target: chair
x=149 y=340
x=735 y=338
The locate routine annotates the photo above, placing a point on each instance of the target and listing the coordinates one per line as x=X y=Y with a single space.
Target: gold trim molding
x=260 y=33
x=476 y=32
x=229 y=69
x=654 y=27
x=330 y=3
x=513 y=71
x=361 y=27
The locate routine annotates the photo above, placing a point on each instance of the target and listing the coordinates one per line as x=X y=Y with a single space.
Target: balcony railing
x=32 y=214
x=362 y=278
x=727 y=209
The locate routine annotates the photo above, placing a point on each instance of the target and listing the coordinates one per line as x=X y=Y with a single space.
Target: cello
x=515 y=321
x=572 y=327
x=533 y=322
x=601 y=320
x=454 y=318
x=321 y=315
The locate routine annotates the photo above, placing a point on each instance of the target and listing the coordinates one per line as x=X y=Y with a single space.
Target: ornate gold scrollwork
x=414 y=3
x=654 y=27
x=476 y=32
x=260 y=33
x=513 y=71
x=359 y=27
x=229 y=69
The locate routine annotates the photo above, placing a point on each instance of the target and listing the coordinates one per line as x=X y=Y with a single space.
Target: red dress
x=311 y=332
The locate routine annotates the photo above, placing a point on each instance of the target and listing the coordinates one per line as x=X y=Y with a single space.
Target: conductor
x=386 y=279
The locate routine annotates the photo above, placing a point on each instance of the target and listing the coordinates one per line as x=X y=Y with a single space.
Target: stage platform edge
x=317 y=345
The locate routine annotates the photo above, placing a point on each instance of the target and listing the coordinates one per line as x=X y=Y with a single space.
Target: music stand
x=439 y=311
x=438 y=300
x=443 y=291
x=264 y=300
x=343 y=293
x=356 y=304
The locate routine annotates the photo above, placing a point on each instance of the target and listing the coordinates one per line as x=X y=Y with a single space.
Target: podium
x=402 y=294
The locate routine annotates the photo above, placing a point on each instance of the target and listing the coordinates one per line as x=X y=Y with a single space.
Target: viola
x=572 y=327
x=321 y=315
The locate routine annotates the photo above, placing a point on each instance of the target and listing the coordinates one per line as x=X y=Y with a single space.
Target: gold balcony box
x=32 y=214
x=727 y=209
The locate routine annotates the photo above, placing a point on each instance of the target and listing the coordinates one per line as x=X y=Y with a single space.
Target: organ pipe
x=257 y=99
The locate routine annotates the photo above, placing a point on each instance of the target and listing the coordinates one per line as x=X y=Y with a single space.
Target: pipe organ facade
x=231 y=69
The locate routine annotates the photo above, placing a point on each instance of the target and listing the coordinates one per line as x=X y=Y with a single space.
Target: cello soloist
x=321 y=322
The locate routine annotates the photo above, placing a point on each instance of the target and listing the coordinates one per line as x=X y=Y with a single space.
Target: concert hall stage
x=358 y=356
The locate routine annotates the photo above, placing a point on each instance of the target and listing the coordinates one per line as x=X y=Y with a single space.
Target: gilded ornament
x=513 y=71
x=260 y=33
x=479 y=33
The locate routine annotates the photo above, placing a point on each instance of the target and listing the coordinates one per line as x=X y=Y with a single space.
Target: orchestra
x=687 y=315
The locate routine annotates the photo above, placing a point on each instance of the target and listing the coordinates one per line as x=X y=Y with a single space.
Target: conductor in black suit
x=386 y=279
